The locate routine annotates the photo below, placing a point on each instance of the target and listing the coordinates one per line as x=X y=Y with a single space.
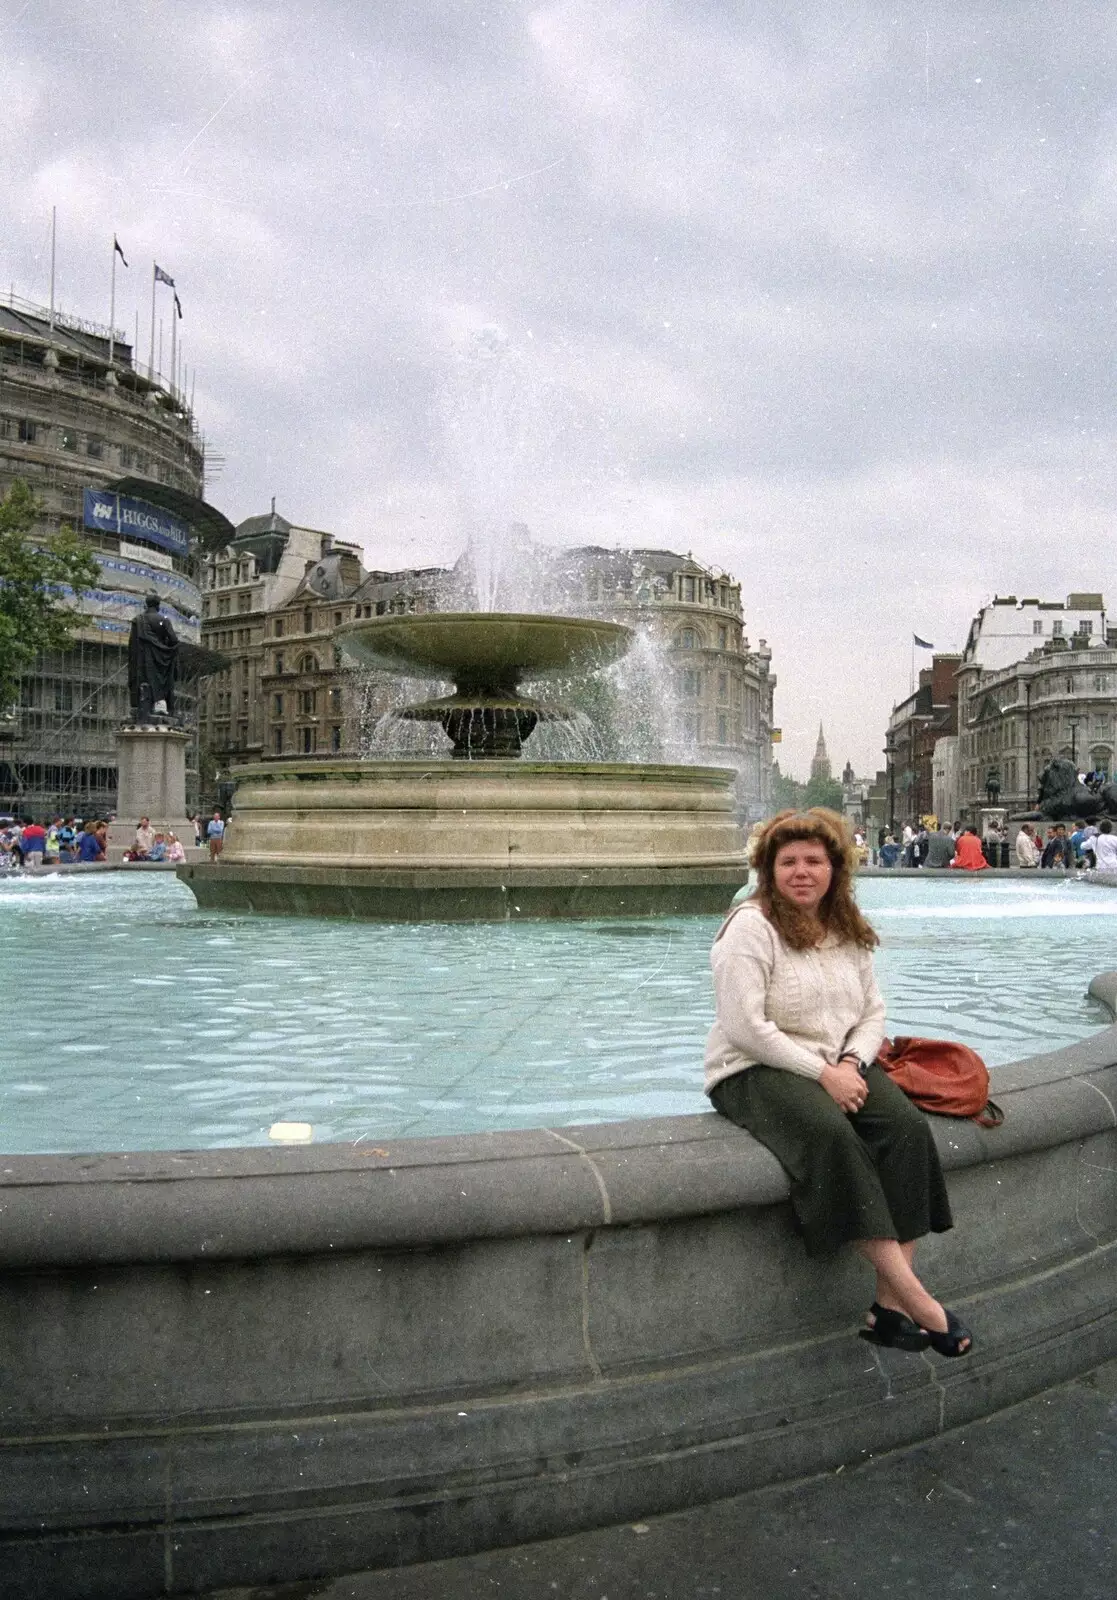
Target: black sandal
x=897 y=1332
x=950 y=1343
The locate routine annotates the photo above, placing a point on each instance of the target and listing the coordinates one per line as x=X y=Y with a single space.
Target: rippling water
x=131 y=1020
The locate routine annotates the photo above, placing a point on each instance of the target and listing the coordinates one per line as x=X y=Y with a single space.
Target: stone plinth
x=151 y=782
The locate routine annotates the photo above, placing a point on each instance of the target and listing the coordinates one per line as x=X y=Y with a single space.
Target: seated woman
x=968 y=853
x=792 y=1058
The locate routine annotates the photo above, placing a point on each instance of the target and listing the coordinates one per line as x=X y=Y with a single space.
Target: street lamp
x=1072 y=724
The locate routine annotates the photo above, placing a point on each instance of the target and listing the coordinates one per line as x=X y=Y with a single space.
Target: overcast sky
x=822 y=293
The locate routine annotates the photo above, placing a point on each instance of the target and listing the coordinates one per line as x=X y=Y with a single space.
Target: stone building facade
x=73 y=422
x=273 y=599
x=1037 y=679
x=914 y=728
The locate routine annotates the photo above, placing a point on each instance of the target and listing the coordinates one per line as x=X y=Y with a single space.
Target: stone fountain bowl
x=483 y=647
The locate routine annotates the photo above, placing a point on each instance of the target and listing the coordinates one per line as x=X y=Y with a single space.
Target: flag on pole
x=924 y=644
x=116 y=247
x=178 y=306
x=163 y=277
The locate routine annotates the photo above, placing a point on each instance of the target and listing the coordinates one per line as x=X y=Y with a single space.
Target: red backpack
x=943 y=1077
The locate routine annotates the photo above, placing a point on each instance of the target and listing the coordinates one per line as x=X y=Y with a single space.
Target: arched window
x=687 y=639
x=308 y=663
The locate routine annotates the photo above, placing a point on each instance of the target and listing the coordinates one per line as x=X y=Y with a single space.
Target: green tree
x=787 y=793
x=824 y=792
x=34 y=617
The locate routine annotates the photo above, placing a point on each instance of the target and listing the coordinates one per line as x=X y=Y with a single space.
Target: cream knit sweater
x=794 y=1009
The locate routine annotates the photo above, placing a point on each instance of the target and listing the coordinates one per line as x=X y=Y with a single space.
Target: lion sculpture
x=1062 y=797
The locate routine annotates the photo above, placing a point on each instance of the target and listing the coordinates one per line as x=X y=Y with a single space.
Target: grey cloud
x=822 y=293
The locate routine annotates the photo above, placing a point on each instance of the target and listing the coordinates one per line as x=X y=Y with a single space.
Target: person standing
x=792 y=1057
x=90 y=848
x=1027 y=854
x=33 y=842
x=1105 y=847
x=215 y=834
x=940 y=848
x=1057 y=850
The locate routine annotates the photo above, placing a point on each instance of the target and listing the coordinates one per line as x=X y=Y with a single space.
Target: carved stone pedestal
x=151 y=782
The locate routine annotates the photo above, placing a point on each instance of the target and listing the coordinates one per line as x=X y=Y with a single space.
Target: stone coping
x=65 y=1210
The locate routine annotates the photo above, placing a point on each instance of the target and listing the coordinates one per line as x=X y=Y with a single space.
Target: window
x=335 y=699
x=1056 y=628
x=308 y=663
x=723 y=687
x=63 y=696
x=223 y=607
x=277 y=741
x=28 y=429
x=95 y=447
x=692 y=727
x=308 y=702
x=335 y=739
x=1037 y=627
x=277 y=705
x=69 y=439
x=279 y=627
x=279 y=663
x=308 y=622
x=307 y=740
x=723 y=728
x=723 y=637
x=688 y=588
x=337 y=619
x=1086 y=627
x=687 y=639
x=692 y=684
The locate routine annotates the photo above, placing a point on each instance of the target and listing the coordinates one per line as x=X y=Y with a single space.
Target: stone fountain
x=486 y=834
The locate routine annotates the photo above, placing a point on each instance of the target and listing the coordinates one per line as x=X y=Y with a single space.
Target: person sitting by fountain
x=158 y=851
x=968 y=853
x=145 y=838
x=175 y=850
x=792 y=1058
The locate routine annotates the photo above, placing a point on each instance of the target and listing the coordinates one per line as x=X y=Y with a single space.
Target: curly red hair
x=838 y=912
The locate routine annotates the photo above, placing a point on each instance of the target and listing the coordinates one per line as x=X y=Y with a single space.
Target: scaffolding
x=58 y=757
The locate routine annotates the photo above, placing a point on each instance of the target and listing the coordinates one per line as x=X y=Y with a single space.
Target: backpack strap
x=991 y=1117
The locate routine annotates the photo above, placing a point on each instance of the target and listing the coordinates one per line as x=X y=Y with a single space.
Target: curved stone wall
x=477 y=840
x=259 y=1365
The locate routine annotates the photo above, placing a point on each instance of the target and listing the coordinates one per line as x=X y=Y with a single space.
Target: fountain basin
x=478 y=840
x=260 y=1366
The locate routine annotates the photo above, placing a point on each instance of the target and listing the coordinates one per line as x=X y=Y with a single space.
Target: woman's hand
x=844 y=1084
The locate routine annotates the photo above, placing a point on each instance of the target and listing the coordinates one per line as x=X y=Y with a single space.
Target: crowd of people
x=57 y=841
x=74 y=841
x=1089 y=847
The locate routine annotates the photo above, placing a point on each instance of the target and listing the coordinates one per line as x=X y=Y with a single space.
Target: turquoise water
x=129 y=1019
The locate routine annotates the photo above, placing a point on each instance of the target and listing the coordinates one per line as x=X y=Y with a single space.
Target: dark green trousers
x=871 y=1174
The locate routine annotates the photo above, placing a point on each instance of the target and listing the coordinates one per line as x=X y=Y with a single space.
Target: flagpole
x=160 y=368
x=151 y=351
x=911 y=678
x=112 y=304
x=53 y=236
x=174 y=351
